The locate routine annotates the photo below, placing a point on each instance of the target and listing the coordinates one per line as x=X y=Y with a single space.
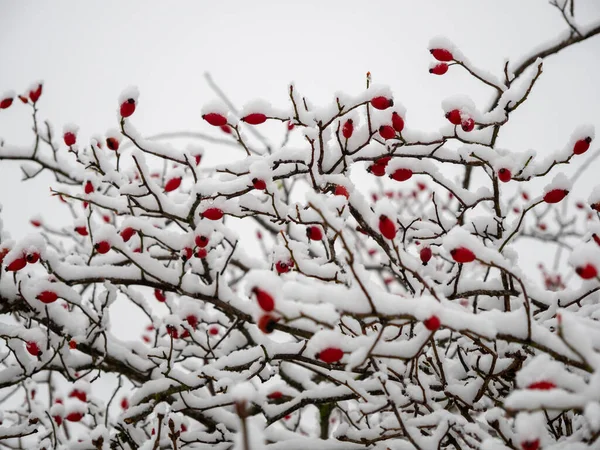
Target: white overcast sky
x=87 y=52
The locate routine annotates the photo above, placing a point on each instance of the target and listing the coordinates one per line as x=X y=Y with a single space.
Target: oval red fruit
x=382 y=102
x=401 y=174
x=112 y=143
x=215 y=119
x=35 y=94
x=425 y=255
x=201 y=253
x=82 y=230
x=32 y=257
x=81 y=395
x=441 y=54
x=314 y=233
x=454 y=117
x=47 y=297
x=259 y=184
x=266 y=324
x=433 y=323
x=127 y=107
x=264 y=299
x=467 y=125
x=387 y=227
x=397 y=122
x=127 y=234
x=172 y=184
x=587 y=271
x=6 y=102
x=192 y=320
x=89 y=187
x=74 y=417
x=530 y=445
x=160 y=295
x=33 y=348
x=69 y=138
x=124 y=403
x=341 y=190
x=582 y=146
x=331 y=355
x=543 y=385
x=387 y=132
x=254 y=119
x=275 y=395
x=439 y=69
x=17 y=264
x=504 y=175
x=462 y=255
x=348 y=128
x=212 y=214
x=282 y=267
x=376 y=169
x=201 y=241
x=213 y=331
x=102 y=247
x=555 y=195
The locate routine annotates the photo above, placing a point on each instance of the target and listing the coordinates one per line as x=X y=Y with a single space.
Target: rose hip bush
x=398 y=318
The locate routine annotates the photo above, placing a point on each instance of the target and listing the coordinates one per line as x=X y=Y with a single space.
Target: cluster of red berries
x=443 y=56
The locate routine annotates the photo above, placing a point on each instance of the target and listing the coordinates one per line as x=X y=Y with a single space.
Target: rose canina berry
x=382 y=102
x=89 y=187
x=47 y=297
x=282 y=267
x=314 y=233
x=254 y=119
x=259 y=184
x=74 y=417
x=102 y=247
x=441 y=54
x=348 y=128
x=201 y=241
x=341 y=190
x=425 y=255
x=112 y=143
x=504 y=175
x=127 y=233
x=387 y=227
x=454 y=117
x=462 y=255
x=160 y=295
x=35 y=94
x=215 y=119
x=582 y=146
x=264 y=299
x=543 y=385
x=587 y=272
x=397 y=122
x=33 y=257
x=172 y=184
x=439 y=69
x=32 y=348
x=467 y=125
x=433 y=323
x=555 y=195
x=266 y=324
x=17 y=264
x=127 y=107
x=82 y=230
x=69 y=138
x=331 y=355
x=201 y=253
x=530 y=445
x=401 y=174
x=212 y=214
x=387 y=132
x=6 y=102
